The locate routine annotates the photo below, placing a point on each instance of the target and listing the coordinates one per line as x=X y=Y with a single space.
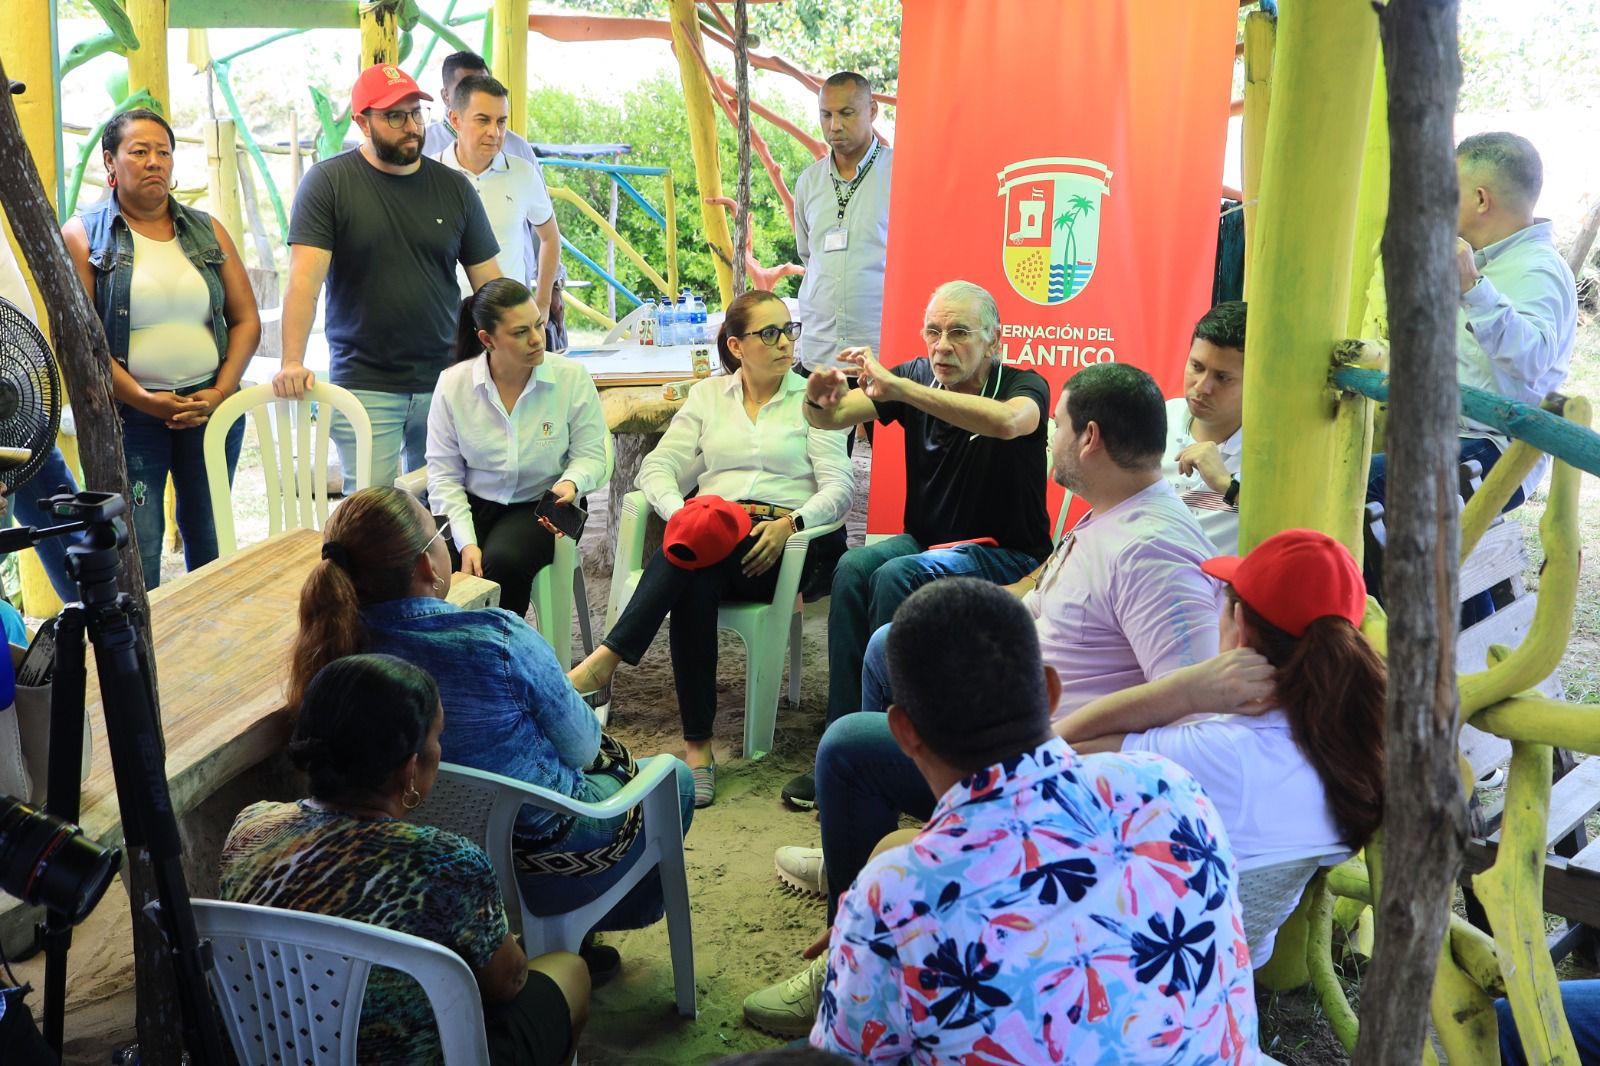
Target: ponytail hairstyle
x=1331 y=685
x=736 y=321
x=362 y=717
x=483 y=310
x=370 y=548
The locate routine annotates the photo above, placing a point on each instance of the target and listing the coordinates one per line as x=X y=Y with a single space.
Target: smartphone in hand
x=561 y=519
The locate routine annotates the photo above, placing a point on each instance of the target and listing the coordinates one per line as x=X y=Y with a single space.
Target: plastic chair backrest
x=290 y=984
x=1269 y=894
x=293 y=461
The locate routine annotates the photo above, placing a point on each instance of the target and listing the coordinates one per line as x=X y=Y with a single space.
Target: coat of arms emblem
x=1052 y=225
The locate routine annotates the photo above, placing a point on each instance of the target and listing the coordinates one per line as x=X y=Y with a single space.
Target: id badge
x=835 y=240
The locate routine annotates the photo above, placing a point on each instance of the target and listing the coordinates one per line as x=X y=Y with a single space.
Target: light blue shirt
x=841 y=293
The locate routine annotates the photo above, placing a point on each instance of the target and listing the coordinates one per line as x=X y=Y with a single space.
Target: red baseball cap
x=704 y=531
x=1294 y=578
x=381 y=85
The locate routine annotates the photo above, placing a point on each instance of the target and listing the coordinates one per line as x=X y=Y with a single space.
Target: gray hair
x=1513 y=159
x=977 y=297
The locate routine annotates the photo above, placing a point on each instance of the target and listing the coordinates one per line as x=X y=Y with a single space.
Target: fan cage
x=30 y=394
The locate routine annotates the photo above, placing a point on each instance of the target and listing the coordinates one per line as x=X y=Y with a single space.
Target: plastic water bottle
x=667 y=331
x=647 y=323
x=684 y=333
x=697 y=321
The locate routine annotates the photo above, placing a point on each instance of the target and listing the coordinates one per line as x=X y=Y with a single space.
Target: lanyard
x=844 y=192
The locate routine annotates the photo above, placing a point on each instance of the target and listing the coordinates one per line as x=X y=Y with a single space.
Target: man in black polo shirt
x=975 y=468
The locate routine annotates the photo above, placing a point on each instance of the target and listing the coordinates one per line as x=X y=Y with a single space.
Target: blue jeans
x=28 y=506
x=551 y=894
x=864 y=784
x=153 y=452
x=872 y=581
x=876 y=694
x=1581 y=1000
x=399 y=423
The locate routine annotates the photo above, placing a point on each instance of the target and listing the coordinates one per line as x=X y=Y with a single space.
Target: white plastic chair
x=766 y=628
x=483 y=808
x=294 y=463
x=290 y=984
x=626 y=330
x=1269 y=893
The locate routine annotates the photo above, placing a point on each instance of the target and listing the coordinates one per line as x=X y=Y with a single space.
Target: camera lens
x=47 y=861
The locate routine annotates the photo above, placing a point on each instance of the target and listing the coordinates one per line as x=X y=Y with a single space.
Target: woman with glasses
x=510 y=423
x=508 y=707
x=742 y=437
x=181 y=321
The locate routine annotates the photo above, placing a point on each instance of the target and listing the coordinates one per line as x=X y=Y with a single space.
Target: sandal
x=705 y=785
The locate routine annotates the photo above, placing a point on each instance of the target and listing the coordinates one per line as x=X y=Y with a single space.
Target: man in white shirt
x=841 y=227
x=512 y=189
x=1518 y=312
x=1204 y=438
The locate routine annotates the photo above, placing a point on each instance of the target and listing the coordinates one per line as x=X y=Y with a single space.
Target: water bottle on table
x=647 y=323
x=697 y=321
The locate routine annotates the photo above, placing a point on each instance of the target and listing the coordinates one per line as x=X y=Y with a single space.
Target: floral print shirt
x=1054 y=909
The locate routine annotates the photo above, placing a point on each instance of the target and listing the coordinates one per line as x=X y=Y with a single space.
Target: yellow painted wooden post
x=380 y=34
x=1321 y=95
x=222 y=161
x=511 y=57
x=670 y=208
x=1260 y=36
x=27 y=41
x=703 y=140
x=147 y=66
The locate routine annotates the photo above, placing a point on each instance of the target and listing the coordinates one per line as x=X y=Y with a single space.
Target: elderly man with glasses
x=975 y=473
x=384 y=227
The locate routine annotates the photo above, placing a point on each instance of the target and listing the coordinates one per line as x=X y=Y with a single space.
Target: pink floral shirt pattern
x=1054 y=909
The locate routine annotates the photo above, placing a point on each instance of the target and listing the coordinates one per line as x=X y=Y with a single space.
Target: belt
x=765 y=510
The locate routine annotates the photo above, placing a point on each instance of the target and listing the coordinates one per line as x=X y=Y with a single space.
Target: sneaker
x=603 y=960
x=801 y=793
x=789 y=1008
x=802 y=870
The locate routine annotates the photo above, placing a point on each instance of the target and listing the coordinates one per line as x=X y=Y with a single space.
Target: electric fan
x=30 y=397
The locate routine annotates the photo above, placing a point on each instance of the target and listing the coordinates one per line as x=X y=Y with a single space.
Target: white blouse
x=777 y=459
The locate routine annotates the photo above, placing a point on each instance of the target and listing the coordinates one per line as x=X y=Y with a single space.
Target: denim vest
x=111 y=255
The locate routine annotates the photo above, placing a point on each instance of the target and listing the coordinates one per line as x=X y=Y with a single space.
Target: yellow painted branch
x=702 y=120
x=1260 y=32
x=1474 y=951
x=1536 y=720
x=670 y=209
x=1463 y=1015
x=147 y=64
x=222 y=161
x=1498 y=484
x=1512 y=894
x=1372 y=204
x=1300 y=286
x=510 y=58
x=1319 y=961
x=585 y=310
x=1541 y=650
x=380 y=35
x=1286 y=970
x=562 y=192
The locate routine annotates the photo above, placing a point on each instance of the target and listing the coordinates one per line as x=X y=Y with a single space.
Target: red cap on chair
x=1294 y=578
x=380 y=86
x=704 y=531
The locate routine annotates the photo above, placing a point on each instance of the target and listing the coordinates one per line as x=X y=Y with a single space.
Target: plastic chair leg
x=580 y=600
x=661 y=810
x=796 y=634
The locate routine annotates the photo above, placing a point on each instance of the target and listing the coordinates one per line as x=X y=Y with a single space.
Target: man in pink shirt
x=1121 y=601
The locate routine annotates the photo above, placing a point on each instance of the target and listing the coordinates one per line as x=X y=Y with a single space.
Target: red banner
x=1067 y=156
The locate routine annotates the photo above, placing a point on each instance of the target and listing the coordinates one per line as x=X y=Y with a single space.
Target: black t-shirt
x=960 y=486
x=392 y=293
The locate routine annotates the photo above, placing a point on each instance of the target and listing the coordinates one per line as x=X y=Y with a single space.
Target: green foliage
x=819 y=36
x=650 y=118
x=1528 y=56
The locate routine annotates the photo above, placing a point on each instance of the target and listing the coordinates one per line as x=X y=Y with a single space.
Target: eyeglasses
x=955 y=334
x=769 y=336
x=443 y=522
x=397 y=119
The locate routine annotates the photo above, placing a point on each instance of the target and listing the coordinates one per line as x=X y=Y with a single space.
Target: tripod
x=137 y=757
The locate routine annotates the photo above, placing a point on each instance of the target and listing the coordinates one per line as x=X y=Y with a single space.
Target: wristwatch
x=796 y=521
x=1231 y=497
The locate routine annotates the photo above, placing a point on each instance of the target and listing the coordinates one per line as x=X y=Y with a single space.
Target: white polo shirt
x=1219 y=521
x=514 y=196
x=554 y=432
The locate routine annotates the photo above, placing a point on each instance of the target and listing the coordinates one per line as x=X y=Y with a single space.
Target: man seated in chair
x=1053 y=908
x=1205 y=438
x=975 y=471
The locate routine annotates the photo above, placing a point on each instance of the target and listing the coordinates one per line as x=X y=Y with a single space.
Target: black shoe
x=801 y=793
x=603 y=960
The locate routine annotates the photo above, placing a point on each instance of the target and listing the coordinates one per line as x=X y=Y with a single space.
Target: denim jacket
x=508 y=706
x=111 y=255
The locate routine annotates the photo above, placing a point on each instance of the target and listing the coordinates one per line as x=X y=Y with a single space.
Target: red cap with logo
x=704 y=531
x=1294 y=578
x=382 y=85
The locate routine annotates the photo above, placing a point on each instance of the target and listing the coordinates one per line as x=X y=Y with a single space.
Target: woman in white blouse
x=509 y=422
x=746 y=435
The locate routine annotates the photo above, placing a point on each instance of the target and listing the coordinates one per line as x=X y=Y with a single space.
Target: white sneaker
x=802 y=870
x=789 y=1008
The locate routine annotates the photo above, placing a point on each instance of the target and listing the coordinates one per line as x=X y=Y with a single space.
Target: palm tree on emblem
x=1076 y=206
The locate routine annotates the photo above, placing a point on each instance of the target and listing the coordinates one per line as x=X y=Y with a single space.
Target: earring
x=111 y=180
x=412 y=798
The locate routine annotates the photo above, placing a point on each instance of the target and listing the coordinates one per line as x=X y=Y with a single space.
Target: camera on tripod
x=49 y=862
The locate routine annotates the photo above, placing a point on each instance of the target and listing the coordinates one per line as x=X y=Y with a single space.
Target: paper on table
x=668 y=362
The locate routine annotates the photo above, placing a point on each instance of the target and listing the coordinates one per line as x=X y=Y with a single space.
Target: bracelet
x=793 y=529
